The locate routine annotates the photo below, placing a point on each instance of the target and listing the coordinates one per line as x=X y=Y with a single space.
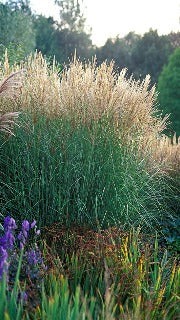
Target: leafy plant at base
x=114 y=276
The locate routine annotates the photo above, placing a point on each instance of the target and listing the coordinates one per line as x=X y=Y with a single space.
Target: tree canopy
x=16 y=26
x=22 y=31
x=169 y=90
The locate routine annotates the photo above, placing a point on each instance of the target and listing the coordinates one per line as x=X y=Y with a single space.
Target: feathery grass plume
x=85 y=92
x=9 y=88
x=167 y=151
x=7 y=121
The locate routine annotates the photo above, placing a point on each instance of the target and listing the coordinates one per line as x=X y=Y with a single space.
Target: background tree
x=71 y=33
x=150 y=54
x=174 y=38
x=120 y=50
x=46 y=35
x=169 y=90
x=67 y=42
x=16 y=26
x=71 y=15
x=142 y=55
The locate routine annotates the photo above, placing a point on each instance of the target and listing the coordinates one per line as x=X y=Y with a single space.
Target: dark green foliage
x=45 y=35
x=142 y=55
x=110 y=275
x=67 y=42
x=150 y=54
x=16 y=26
x=169 y=90
x=120 y=50
x=54 y=171
x=15 y=52
x=62 y=39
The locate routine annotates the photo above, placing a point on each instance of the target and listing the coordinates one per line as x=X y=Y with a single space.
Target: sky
x=109 y=18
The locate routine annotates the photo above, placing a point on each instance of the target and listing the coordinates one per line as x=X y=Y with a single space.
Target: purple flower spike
x=25 y=225
x=6 y=223
x=21 y=245
x=9 y=224
x=33 y=224
x=22 y=239
x=32 y=259
x=7 y=241
x=3 y=261
x=38 y=232
x=20 y=236
x=3 y=242
x=25 y=234
x=10 y=239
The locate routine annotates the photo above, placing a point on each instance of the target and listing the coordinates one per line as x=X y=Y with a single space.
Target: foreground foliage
x=104 y=275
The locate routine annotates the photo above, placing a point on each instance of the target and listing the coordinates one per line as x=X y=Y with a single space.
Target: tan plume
x=11 y=85
x=7 y=121
x=9 y=88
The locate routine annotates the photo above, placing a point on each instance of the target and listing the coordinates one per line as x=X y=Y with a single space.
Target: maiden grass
x=56 y=171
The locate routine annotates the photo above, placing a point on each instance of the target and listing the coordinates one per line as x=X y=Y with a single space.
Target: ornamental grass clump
x=79 y=175
x=84 y=93
x=10 y=89
x=86 y=150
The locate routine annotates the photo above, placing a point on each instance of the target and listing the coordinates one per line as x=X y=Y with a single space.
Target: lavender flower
x=34 y=257
x=8 y=257
x=22 y=236
x=7 y=241
x=25 y=227
x=33 y=224
x=38 y=232
x=9 y=224
x=22 y=239
x=3 y=261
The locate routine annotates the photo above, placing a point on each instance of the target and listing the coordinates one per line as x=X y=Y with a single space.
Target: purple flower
x=22 y=240
x=9 y=224
x=38 y=232
x=33 y=224
x=7 y=241
x=34 y=256
x=23 y=234
x=20 y=236
x=3 y=261
x=32 y=259
x=25 y=225
x=3 y=242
